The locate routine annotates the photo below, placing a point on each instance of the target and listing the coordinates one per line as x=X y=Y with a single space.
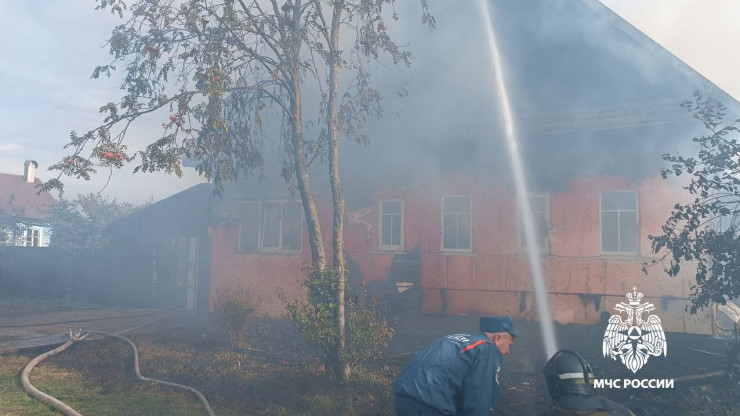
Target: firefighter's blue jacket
x=457 y=374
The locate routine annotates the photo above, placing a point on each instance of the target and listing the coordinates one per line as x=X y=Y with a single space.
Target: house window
x=249 y=225
x=271 y=212
x=619 y=222
x=32 y=237
x=538 y=205
x=270 y=226
x=391 y=224
x=456 y=223
x=292 y=226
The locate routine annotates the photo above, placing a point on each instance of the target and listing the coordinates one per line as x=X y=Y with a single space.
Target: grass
x=13 y=400
x=277 y=378
x=86 y=395
x=96 y=378
x=245 y=384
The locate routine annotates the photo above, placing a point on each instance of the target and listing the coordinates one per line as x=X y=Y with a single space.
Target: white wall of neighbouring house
x=33 y=236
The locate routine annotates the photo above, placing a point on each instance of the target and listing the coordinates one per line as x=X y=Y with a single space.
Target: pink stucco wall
x=263 y=273
x=493 y=277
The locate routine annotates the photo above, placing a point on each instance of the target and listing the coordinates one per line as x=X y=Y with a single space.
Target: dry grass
x=99 y=394
x=96 y=378
x=278 y=377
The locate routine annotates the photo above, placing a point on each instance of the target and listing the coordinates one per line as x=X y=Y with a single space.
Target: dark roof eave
x=700 y=81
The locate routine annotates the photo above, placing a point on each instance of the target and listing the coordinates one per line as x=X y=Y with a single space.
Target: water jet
x=512 y=143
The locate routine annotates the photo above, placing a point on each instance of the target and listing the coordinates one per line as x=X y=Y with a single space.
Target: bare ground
x=284 y=377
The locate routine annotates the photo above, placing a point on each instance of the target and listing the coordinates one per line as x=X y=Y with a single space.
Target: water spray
x=535 y=263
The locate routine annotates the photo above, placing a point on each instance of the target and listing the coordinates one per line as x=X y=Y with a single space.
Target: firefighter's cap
x=495 y=324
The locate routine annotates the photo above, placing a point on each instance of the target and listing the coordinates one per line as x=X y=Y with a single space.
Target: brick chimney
x=29 y=170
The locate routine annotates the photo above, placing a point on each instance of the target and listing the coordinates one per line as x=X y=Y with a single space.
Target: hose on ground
x=200 y=396
x=69 y=411
x=38 y=394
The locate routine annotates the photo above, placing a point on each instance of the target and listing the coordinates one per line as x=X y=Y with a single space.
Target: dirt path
x=25 y=324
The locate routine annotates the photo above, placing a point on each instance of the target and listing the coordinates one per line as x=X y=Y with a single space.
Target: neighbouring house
x=23 y=209
x=26 y=266
x=431 y=199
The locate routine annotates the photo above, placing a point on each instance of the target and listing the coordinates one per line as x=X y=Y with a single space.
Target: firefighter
x=570 y=382
x=456 y=374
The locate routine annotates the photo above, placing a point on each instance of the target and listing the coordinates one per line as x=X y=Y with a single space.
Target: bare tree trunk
x=303 y=180
x=343 y=367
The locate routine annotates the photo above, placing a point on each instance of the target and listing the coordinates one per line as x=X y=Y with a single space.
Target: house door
x=186 y=270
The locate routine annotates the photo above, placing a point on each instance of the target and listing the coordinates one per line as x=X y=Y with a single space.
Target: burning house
x=431 y=199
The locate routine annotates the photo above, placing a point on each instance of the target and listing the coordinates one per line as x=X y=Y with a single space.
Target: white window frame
x=470 y=226
x=261 y=226
x=601 y=224
x=381 y=215
x=522 y=243
x=240 y=247
x=30 y=230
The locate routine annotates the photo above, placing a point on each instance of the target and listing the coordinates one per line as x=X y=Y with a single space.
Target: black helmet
x=567 y=372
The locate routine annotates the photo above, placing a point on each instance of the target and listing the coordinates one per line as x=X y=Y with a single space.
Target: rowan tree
x=215 y=71
x=706 y=230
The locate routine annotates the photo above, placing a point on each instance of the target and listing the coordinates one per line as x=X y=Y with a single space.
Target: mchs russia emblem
x=634 y=340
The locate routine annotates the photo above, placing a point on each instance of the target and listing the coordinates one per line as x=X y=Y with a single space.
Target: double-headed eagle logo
x=634 y=340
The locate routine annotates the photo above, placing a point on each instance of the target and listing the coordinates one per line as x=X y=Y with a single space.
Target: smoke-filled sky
x=704 y=34
x=49 y=49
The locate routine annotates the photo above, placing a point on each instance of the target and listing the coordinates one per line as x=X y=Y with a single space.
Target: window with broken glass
x=391 y=224
x=270 y=226
x=456 y=223
x=619 y=226
x=540 y=215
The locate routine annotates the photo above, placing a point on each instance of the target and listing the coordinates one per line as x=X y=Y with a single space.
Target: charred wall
x=493 y=276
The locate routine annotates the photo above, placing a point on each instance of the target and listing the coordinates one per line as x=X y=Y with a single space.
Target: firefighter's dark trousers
x=406 y=406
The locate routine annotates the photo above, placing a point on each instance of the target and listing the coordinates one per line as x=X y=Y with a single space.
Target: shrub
x=235 y=305
x=368 y=332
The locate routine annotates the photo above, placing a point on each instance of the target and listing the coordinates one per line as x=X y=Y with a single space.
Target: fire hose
x=162 y=382
x=38 y=394
x=69 y=411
